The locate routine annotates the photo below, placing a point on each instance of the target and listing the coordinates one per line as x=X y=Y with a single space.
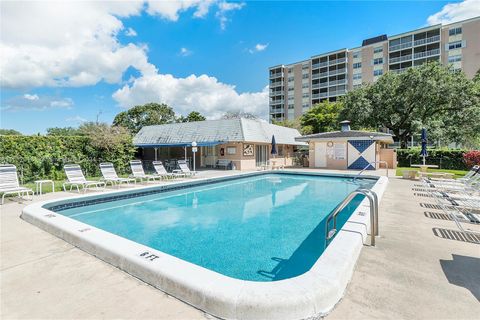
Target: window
x=305 y=105
x=455 y=31
x=305 y=95
x=290 y=79
x=454 y=45
x=456 y=58
x=355 y=86
x=291 y=106
x=377 y=49
x=231 y=150
x=356 y=54
x=357 y=76
x=290 y=70
x=377 y=61
x=305 y=76
x=377 y=73
x=291 y=88
x=305 y=85
x=357 y=65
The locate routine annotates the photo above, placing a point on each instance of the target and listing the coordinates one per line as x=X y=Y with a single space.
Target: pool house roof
x=212 y=132
x=348 y=135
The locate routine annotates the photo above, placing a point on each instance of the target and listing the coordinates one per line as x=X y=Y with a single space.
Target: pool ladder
x=372 y=198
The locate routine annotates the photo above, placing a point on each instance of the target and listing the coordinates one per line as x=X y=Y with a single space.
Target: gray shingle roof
x=211 y=131
x=347 y=134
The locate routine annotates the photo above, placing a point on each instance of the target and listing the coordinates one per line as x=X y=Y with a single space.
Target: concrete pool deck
x=412 y=273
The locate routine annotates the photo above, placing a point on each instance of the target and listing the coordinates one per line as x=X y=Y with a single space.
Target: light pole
x=194 y=150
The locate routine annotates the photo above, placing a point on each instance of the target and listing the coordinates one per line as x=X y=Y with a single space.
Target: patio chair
x=110 y=175
x=139 y=173
x=182 y=164
x=75 y=178
x=162 y=172
x=9 y=183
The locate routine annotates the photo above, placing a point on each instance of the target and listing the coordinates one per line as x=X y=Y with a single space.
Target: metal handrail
x=372 y=198
x=368 y=165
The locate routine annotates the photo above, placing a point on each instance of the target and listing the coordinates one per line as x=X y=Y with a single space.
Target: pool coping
x=309 y=295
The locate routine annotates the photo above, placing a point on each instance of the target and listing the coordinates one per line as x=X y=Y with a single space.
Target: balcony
x=319 y=65
x=277 y=93
x=337 y=93
x=426 y=40
x=338 y=71
x=320 y=85
x=398 y=71
x=337 y=82
x=337 y=61
x=319 y=95
x=400 y=59
x=429 y=53
x=400 y=46
x=277 y=84
x=276 y=75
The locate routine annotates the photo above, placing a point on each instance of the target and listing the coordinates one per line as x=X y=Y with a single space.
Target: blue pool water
x=261 y=228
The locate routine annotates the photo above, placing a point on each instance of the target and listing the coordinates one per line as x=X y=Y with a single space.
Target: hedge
x=43 y=157
x=444 y=158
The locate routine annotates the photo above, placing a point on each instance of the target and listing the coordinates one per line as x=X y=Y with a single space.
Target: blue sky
x=60 y=74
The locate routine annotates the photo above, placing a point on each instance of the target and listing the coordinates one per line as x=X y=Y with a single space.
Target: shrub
x=444 y=158
x=472 y=158
x=43 y=157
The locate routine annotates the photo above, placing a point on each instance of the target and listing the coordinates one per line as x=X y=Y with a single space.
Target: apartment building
x=295 y=87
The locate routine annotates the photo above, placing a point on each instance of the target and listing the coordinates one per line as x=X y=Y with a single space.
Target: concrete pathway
x=411 y=273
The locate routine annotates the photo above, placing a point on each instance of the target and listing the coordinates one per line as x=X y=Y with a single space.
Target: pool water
x=261 y=228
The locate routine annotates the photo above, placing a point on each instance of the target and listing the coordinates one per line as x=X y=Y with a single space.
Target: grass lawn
x=457 y=173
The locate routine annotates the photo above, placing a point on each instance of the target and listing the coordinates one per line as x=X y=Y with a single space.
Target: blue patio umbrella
x=274 y=146
x=423 y=152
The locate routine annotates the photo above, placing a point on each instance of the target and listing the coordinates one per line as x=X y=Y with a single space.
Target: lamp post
x=194 y=150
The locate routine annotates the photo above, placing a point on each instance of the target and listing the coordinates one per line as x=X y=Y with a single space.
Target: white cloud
x=184 y=52
x=130 y=32
x=75 y=43
x=30 y=96
x=35 y=102
x=200 y=93
x=454 y=12
x=258 y=47
x=223 y=8
x=77 y=119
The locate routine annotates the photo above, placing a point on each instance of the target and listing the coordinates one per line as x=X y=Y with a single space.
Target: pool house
x=241 y=144
x=350 y=149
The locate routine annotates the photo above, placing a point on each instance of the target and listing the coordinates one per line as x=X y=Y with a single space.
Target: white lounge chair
x=182 y=164
x=75 y=178
x=162 y=172
x=9 y=182
x=110 y=175
x=139 y=173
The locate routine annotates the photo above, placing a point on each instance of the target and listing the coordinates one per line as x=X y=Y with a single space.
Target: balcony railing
x=400 y=59
x=337 y=92
x=399 y=70
x=277 y=102
x=276 y=83
x=337 y=61
x=426 y=40
x=320 y=85
x=319 y=95
x=400 y=46
x=319 y=65
x=276 y=75
x=428 y=53
x=277 y=93
x=334 y=72
x=337 y=82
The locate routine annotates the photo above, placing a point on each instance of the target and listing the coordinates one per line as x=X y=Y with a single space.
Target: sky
x=64 y=63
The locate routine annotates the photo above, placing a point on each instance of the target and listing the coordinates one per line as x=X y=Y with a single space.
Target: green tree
x=66 y=131
x=192 y=117
x=430 y=96
x=145 y=115
x=322 y=117
x=9 y=132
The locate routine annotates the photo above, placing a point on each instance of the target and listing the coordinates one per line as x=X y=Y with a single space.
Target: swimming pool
x=258 y=228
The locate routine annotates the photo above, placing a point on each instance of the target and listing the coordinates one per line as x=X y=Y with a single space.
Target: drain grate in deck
x=421 y=194
x=456 y=235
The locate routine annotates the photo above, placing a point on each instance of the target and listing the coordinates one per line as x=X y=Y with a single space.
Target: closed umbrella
x=424 y=153
x=274 y=146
